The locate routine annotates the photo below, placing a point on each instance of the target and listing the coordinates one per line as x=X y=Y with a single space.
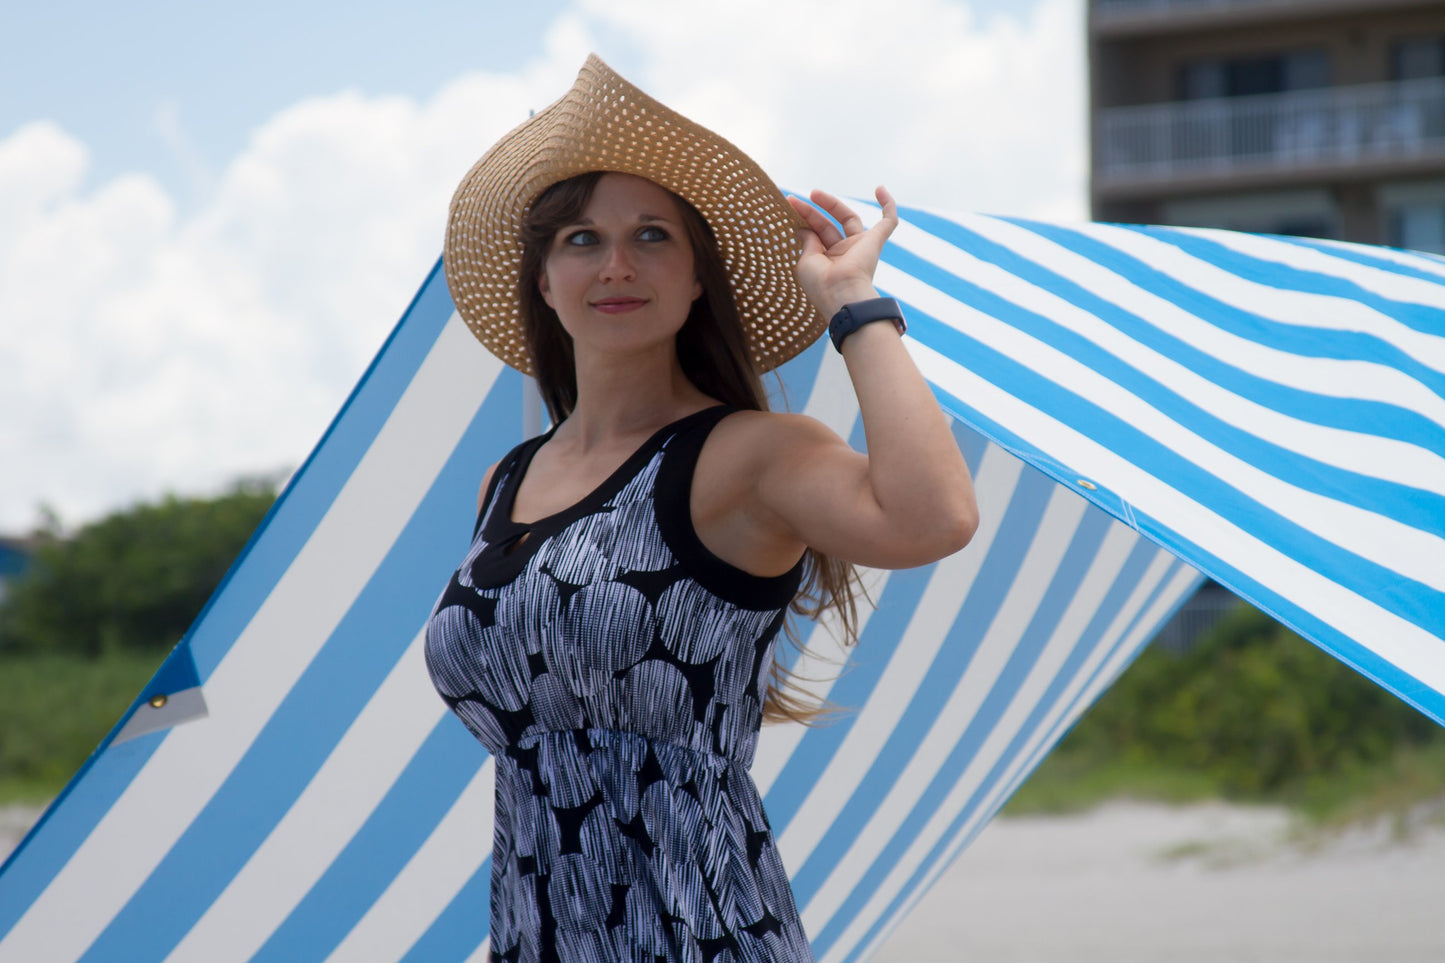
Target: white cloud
x=951 y=112
x=144 y=350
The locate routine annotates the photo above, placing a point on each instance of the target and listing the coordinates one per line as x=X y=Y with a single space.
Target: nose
x=617 y=265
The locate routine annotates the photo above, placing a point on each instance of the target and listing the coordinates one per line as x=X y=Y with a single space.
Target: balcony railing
x=1129 y=8
x=1165 y=6
x=1331 y=126
x=1125 y=17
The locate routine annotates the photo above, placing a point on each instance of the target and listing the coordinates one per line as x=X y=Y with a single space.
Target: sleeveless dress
x=614 y=667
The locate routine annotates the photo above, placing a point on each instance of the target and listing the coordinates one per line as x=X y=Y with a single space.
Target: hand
x=837 y=268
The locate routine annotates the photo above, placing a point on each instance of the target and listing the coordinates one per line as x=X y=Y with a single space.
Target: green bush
x=134 y=580
x=55 y=709
x=1255 y=709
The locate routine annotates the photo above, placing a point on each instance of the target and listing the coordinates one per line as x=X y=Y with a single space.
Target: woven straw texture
x=605 y=123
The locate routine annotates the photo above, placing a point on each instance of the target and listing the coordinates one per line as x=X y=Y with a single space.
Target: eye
x=652 y=233
x=580 y=238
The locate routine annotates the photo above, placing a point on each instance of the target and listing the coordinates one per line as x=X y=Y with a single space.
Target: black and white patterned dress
x=614 y=667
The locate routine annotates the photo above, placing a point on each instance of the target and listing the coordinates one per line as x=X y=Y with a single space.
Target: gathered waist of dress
x=592 y=738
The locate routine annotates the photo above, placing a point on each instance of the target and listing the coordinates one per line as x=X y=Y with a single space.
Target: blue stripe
x=877 y=644
x=67 y=823
x=1139 y=559
x=252 y=577
x=1415 y=506
x=1310 y=626
x=461 y=927
x=819 y=744
x=1146 y=553
x=1413 y=600
x=996 y=574
x=1063 y=584
x=1350 y=414
x=1420 y=317
x=326 y=471
x=419 y=799
x=790 y=385
x=1364 y=256
x=323 y=703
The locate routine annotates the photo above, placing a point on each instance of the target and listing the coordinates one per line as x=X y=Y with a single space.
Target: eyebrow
x=588 y=222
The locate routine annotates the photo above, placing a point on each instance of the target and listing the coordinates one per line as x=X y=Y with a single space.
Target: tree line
x=1254 y=707
x=132 y=581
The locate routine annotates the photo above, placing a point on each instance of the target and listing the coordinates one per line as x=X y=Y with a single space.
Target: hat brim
x=604 y=123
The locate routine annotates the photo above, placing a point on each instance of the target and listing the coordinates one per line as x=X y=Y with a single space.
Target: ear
x=696 y=288
x=545 y=287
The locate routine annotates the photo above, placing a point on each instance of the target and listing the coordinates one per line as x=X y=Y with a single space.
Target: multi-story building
x=1323 y=118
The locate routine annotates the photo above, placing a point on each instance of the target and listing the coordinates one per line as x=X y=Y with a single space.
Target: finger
x=810 y=243
x=841 y=212
x=889 y=221
x=816 y=221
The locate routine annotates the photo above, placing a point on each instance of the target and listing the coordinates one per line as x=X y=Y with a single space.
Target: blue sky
x=175 y=88
x=171 y=85
x=210 y=216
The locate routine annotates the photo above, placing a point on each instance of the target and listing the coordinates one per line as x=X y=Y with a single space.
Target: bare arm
x=910 y=500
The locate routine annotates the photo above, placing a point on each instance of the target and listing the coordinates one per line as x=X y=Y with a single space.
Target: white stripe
x=340 y=797
x=933 y=832
x=482 y=955
x=1086 y=689
x=1418 y=260
x=430 y=880
x=266 y=659
x=1400 y=642
x=1387 y=284
x=1056 y=528
x=823 y=660
x=1295 y=308
x=1177 y=588
x=1366 y=454
x=833 y=400
x=928 y=627
x=1345 y=378
x=1097 y=583
x=1387 y=542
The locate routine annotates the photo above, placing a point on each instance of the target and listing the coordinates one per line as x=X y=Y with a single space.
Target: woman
x=609 y=636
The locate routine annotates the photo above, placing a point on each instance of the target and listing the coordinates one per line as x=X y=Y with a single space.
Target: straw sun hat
x=605 y=123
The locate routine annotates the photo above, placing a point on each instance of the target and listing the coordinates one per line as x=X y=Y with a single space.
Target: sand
x=1211 y=883
x=1135 y=882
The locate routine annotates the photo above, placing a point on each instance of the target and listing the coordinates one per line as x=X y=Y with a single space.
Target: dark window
x=1243 y=76
x=1419 y=227
x=1417 y=57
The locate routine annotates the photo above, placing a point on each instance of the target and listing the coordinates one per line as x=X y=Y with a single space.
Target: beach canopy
x=1138 y=405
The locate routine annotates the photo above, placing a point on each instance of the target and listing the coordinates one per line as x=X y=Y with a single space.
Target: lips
x=618 y=305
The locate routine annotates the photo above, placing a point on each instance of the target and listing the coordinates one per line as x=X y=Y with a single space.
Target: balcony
x=1359 y=131
x=1122 y=18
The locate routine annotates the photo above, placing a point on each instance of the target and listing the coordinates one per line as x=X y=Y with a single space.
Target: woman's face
x=621 y=277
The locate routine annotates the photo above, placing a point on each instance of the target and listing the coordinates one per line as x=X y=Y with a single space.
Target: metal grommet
x=159 y=701
x=1085 y=483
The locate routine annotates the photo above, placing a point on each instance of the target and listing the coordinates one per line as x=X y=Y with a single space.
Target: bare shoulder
x=768 y=435
x=486 y=483
x=750 y=451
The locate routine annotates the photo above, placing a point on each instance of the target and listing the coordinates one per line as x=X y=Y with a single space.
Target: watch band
x=853 y=316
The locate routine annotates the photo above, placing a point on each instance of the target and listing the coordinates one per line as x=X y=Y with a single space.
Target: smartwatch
x=853 y=316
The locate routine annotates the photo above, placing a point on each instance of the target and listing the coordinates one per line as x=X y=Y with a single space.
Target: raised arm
x=910 y=500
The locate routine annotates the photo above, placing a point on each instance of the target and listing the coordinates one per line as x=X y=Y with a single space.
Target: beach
x=1128 y=882
x=1217 y=883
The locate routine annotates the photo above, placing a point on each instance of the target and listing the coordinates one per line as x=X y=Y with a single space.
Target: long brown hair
x=713 y=353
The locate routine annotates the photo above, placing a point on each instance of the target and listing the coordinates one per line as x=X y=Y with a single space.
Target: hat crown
x=605 y=123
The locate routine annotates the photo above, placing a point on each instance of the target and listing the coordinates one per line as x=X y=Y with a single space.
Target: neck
x=622 y=396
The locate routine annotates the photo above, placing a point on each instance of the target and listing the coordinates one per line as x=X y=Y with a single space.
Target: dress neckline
x=506 y=528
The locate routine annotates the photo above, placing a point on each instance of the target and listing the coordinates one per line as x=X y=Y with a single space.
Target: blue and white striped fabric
x=1269 y=412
